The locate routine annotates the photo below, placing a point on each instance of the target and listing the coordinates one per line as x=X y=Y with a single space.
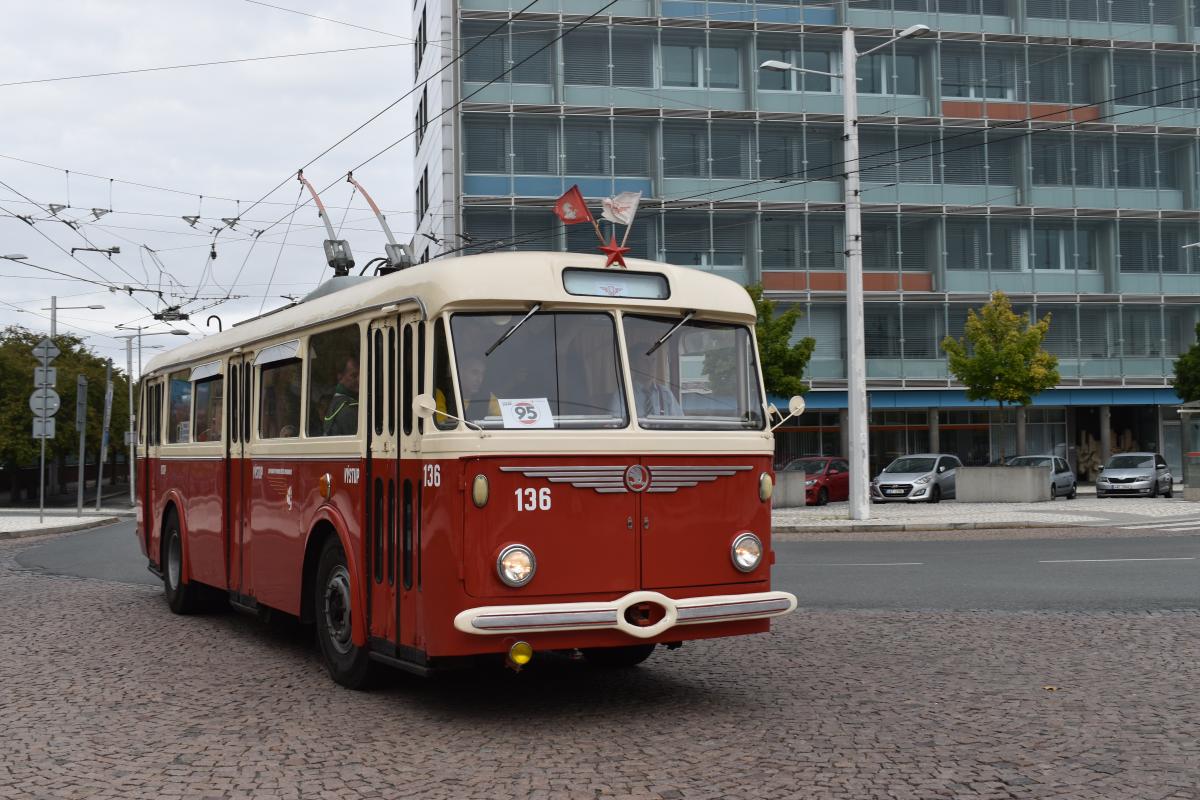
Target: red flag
x=571 y=209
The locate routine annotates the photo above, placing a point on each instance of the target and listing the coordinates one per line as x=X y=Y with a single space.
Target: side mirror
x=772 y=411
x=1102 y=469
x=424 y=405
x=942 y=468
x=796 y=406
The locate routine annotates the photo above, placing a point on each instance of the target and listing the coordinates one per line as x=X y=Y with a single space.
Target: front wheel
x=618 y=657
x=935 y=495
x=1170 y=492
x=822 y=496
x=182 y=597
x=348 y=664
x=1154 y=488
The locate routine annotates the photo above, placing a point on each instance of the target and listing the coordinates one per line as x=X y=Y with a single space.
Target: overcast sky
x=225 y=131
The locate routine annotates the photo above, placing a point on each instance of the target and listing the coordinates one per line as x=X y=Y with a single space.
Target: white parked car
x=920 y=478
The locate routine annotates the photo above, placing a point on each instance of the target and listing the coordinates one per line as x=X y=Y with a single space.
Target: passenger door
x=946 y=478
x=1162 y=473
x=382 y=494
x=839 y=480
x=241 y=373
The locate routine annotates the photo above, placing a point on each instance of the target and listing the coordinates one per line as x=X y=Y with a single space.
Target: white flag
x=622 y=208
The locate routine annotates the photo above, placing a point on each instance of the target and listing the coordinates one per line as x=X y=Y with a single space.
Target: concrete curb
x=887 y=527
x=95 y=522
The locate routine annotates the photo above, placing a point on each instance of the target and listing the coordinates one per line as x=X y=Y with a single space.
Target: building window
x=486 y=139
x=535 y=147
x=793 y=81
x=1061 y=248
x=420 y=42
x=999 y=247
x=523 y=49
x=888 y=73
x=422 y=117
x=422 y=194
x=701 y=67
x=980 y=74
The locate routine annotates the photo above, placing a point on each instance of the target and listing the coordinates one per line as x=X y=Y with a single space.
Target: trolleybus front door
x=238 y=471
x=382 y=497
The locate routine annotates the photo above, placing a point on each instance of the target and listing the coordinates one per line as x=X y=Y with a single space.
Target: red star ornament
x=615 y=252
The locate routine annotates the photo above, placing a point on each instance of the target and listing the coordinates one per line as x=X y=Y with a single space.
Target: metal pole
x=856 y=378
x=132 y=416
x=81 y=423
x=53 y=316
x=42 y=481
x=104 y=431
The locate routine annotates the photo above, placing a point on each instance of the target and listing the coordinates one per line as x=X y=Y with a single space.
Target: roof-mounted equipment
x=337 y=251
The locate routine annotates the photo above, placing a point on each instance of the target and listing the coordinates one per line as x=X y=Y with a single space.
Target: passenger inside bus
x=652 y=390
x=342 y=418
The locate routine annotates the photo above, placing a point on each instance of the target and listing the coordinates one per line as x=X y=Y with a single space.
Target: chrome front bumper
x=492 y=620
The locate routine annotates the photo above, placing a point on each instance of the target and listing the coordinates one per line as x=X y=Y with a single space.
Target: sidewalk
x=17 y=523
x=1085 y=511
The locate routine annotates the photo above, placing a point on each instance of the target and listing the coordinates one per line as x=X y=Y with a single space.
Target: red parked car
x=826 y=478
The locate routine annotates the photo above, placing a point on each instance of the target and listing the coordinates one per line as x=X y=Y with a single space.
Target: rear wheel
x=182 y=598
x=618 y=657
x=348 y=664
x=1053 y=490
x=822 y=496
x=1074 y=491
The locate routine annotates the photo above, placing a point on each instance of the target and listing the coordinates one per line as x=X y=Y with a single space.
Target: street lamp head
x=913 y=30
x=95 y=308
x=781 y=66
x=179 y=333
x=15 y=257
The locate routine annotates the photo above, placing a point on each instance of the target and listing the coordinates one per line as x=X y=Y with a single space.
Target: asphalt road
x=1109 y=573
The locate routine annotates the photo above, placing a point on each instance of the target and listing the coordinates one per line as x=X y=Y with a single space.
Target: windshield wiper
x=536 y=308
x=671 y=332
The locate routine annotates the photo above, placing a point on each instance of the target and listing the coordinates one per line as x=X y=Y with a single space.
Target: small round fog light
x=766 y=487
x=516 y=565
x=746 y=552
x=520 y=653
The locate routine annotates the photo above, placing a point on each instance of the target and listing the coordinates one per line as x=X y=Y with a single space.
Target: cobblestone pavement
x=107 y=695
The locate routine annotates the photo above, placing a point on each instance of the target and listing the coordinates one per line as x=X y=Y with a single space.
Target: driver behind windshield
x=651 y=380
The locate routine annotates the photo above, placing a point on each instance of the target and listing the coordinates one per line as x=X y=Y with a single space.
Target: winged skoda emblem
x=617 y=479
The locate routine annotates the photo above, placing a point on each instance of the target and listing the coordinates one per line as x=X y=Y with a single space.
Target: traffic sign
x=43 y=428
x=81 y=384
x=45 y=377
x=44 y=402
x=46 y=349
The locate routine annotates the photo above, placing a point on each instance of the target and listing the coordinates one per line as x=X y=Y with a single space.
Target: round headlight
x=746 y=552
x=516 y=565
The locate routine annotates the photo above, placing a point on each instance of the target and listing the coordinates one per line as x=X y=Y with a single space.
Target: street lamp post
x=856 y=373
x=132 y=437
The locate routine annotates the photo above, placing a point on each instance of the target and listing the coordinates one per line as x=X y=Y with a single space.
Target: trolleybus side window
x=443 y=387
x=179 y=430
x=279 y=400
x=693 y=375
x=377 y=381
x=420 y=369
x=391 y=387
x=559 y=368
x=206 y=420
x=235 y=423
x=333 y=382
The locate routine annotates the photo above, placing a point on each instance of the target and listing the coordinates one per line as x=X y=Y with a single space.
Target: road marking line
x=1175 y=524
x=1108 y=560
x=889 y=564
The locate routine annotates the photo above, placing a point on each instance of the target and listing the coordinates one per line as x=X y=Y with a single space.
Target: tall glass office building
x=1046 y=148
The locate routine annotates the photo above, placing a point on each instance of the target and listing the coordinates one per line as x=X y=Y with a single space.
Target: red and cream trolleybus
x=495 y=454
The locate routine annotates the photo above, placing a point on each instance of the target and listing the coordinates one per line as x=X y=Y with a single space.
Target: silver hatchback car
x=1062 y=479
x=1144 y=474
x=920 y=478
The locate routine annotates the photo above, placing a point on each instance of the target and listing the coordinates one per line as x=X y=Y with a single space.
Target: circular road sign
x=44 y=402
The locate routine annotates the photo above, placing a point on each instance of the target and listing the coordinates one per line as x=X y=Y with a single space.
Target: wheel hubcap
x=174 y=560
x=337 y=609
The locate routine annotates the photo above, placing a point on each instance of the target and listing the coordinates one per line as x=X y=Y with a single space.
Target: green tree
x=17 y=446
x=1187 y=372
x=1000 y=357
x=783 y=363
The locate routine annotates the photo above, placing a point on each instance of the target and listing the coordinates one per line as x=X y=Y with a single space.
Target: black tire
x=1154 y=488
x=822 y=496
x=348 y=664
x=1074 y=491
x=1053 y=490
x=1170 y=492
x=935 y=494
x=618 y=657
x=182 y=597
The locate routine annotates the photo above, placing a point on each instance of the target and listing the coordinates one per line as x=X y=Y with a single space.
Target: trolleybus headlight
x=766 y=487
x=516 y=565
x=746 y=552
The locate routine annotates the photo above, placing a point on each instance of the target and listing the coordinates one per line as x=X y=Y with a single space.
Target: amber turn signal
x=325 y=484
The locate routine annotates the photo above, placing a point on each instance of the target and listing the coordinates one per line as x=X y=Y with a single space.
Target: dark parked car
x=826 y=478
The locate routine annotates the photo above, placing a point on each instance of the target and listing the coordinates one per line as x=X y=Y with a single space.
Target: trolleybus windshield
x=556 y=370
x=702 y=377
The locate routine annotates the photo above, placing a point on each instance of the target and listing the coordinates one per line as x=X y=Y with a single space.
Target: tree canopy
x=1187 y=372
x=1000 y=357
x=783 y=363
x=17 y=446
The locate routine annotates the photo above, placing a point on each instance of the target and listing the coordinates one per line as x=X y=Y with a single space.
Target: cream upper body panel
x=494 y=280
